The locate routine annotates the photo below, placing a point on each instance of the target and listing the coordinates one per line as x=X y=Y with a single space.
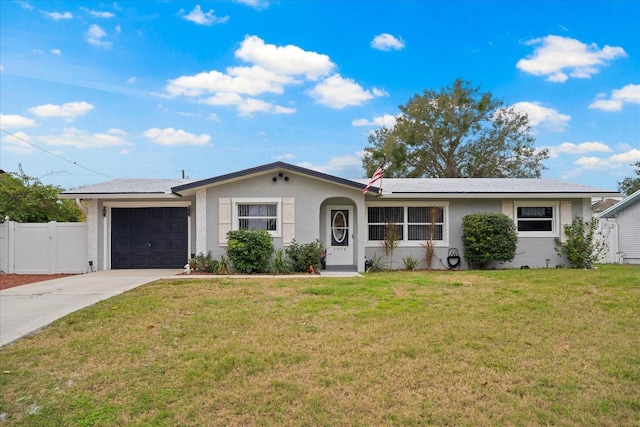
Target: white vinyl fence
x=49 y=248
x=609 y=236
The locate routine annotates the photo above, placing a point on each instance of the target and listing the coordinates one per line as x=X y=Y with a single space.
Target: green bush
x=206 y=263
x=488 y=237
x=583 y=246
x=249 y=250
x=303 y=256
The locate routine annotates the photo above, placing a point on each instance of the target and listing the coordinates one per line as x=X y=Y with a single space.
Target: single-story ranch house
x=156 y=223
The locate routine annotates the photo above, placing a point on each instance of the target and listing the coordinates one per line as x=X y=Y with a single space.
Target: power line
x=55 y=155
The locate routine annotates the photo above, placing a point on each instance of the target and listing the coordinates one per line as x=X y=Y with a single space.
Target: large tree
x=457 y=132
x=630 y=185
x=26 y=199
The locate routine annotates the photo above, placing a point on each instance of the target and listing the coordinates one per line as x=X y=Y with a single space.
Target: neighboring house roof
x=603 y=205
x=260 y=170
x=134 y=188
x=487 y=187
x=625 y=203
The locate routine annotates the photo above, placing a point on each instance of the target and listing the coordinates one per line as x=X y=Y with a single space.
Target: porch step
x=341 y=268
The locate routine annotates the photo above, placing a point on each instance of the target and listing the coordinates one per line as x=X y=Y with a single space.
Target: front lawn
x=510 y=347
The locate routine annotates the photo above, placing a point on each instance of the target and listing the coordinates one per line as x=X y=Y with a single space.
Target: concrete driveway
x=28 y=308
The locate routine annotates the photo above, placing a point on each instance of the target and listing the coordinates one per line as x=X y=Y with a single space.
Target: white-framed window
x=258 y=214
x=415 y=223
x=537 y=219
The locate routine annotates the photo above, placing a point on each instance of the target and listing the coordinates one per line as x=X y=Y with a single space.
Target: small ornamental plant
x=584 y=244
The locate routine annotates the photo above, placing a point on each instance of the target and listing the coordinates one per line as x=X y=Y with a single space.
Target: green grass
x=510 y=347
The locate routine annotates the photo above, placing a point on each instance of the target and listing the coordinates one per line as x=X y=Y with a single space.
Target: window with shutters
x=258 y=214
x=536 y=219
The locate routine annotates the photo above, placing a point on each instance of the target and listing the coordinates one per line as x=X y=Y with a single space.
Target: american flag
x=376 y=176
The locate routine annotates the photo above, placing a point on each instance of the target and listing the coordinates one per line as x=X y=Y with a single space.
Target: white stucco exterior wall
x=201 y=221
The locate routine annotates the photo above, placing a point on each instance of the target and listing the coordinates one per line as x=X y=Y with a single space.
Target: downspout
x=81 y=206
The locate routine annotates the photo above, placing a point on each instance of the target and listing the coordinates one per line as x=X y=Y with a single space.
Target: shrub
x=206 y=263
x=249 y=250
x=582 y=247
x=374 y=264
x=303 y=256
x=410 y=262
x=280 y=264
x=488 y=237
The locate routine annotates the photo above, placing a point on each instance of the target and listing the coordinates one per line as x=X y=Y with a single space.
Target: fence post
x=11 y=247
x=52 y=247
x=4 y=252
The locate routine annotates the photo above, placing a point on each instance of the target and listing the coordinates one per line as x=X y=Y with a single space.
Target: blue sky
x=96 y=90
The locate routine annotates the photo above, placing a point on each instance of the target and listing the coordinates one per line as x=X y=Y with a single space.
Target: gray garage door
x=149 y=237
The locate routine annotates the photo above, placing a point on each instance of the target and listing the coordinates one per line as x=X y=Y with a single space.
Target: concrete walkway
x=29 y=308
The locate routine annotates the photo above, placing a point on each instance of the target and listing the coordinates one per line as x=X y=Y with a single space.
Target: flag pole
x=384 y=163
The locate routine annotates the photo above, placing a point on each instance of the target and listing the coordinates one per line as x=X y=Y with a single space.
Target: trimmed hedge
x=488 y=237
x=249 y=250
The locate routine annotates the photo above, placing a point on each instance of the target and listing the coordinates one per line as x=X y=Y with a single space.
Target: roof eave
x=188 y=189
x=485 y=195
x=105 y=196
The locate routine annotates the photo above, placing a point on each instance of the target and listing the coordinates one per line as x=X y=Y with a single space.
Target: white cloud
x=56 y=51
x=287 y=60
x=98 y=14
x=24 y=4
x=244 y=80
x=68 y=111
x=628 y=94
x=576 y=149
x=630 y=156
x=338 y=92
x=16 y=143
x=559 y=58
x=132 y=80
x=78 y=138
x=249 y=106
x=201 y=18
x=386 y=120
x=273 y=69
x=171 y=136
x=609 y=163
x=115 y=131
x=606 y=105
x=246 y=106
x=13 y=121
x=256 y=4
x=385 y=41
x=540 y=116
x=57 y=15
x=96 y=35
x=285 y=156
x=346 y=165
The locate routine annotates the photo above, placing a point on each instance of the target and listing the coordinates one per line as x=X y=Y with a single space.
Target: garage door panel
x=149 y=237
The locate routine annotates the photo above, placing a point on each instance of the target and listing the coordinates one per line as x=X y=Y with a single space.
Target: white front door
x=340 y=238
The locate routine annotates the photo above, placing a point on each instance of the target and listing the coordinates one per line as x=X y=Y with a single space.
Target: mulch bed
x=11 y=280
